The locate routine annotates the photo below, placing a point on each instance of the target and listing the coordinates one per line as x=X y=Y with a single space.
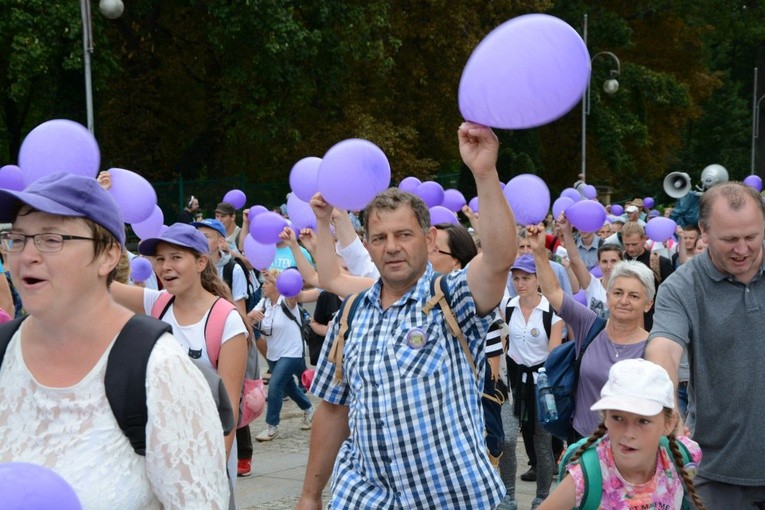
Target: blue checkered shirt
x=415 y=416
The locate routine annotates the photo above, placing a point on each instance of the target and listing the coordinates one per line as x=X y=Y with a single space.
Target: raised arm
x=487 y=272
x=547 y=281
x=344 y=230
x=129 y=296
x=583 y=276
x=306 y=269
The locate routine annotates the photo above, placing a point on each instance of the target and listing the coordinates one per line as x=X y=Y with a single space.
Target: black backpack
x=228 y=276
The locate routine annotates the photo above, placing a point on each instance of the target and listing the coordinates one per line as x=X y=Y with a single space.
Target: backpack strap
x=7 y=330
x=593 y=478
x=347 y=309
x=161 y=305
x=228 y=273
x=125 y=380
x=214 y=325
x=440 y=297
x=299 y=323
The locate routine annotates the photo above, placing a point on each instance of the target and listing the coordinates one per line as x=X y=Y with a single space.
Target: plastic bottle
x=548 y=411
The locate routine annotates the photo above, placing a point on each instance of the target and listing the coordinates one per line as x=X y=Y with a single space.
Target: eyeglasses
x=46 y=243
x=443 y=252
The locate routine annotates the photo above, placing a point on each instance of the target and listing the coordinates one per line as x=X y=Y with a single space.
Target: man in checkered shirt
x=404 y=428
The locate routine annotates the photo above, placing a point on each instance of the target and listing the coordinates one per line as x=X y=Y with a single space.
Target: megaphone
x=677 y=184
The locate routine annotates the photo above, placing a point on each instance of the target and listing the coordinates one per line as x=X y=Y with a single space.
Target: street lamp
x=755 y=117
x=610 y=86
x=112 y=9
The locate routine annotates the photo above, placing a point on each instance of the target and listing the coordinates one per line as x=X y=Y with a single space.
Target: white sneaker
x=308 y=419
x=268 y=434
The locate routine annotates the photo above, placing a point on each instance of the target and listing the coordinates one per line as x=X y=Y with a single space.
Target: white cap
x=631 y=208
x=636 y=386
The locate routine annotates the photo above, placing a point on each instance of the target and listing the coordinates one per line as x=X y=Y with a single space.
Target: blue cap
x=525 y=263
x=211 y=223
x=179 y=234
x=65 y=194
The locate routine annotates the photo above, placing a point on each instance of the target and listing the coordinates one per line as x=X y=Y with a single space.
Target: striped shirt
x=415 y=416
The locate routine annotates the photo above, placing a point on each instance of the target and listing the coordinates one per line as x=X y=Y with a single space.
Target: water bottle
x=547 y=408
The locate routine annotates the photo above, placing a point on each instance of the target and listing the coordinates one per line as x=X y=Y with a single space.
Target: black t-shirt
x=326 y=307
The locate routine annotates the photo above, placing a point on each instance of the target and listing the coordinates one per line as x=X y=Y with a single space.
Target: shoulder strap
x=161 y=305
x=228 y=273
x=593 y=478
x=594 y=331
x=547 y=317
x=440 y=296
x=288 y=313
x=347 y=309
x=216 y=322
x=7 y=330
x=125 y=380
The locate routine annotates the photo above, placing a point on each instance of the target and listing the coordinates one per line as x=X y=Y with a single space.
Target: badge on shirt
x=416 y=338
x=534 y=332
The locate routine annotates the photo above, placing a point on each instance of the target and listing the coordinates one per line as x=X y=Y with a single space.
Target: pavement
x=278 y=467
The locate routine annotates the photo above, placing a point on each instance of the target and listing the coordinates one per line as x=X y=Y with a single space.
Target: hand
x=256 y=315
x=478 y=147
x=308 y=503
x=321 y=209
x=563 y=226
x=246 y=217
x=339 y=213
x=308 y=238
x=105 y=180
x=288 y=236
x=469 y=213
x=537 y=238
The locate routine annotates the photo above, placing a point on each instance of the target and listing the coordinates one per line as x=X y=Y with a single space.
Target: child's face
x=635 y=441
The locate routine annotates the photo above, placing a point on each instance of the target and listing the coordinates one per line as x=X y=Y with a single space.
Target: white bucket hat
x=636 y=386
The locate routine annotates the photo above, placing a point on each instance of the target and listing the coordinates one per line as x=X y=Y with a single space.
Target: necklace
x=617 y=351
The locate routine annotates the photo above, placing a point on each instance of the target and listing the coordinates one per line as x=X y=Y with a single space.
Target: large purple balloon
x=59 y=146
x=617 y=210
x=648 y=202
x=527 y=72
x=571 y=193
x=529 y=198
x=431 y=193
x=235 y=197
x=11 y=178
x=586 y=215
x=254 y=211
x=134 y=195
x=453 y=200
x=352 y=172
x=260 y=255
x=440 y=214
x=755 y=181
x=409 y=184
x=150 y=227
x=560 y=205
x=304 y=178
x=289 y=283
x=300 y=213
x=473 y=204
x=660 y=229
x=27 y=486
x=265 y=228
x=140 y=269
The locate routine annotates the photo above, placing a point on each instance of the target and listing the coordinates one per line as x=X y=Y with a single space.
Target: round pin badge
x=534 y=332
x=416 y=338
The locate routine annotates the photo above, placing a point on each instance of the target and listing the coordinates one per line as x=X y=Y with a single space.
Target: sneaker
x=535 y=503
x=507 y=503
x=268 y=434
x=530 y=475
x=244 y=467
x=308 y=419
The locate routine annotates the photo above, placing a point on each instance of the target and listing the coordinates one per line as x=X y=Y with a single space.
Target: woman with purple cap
x=63 y=248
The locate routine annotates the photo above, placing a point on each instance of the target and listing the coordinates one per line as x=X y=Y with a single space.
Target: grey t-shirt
x=722 y=322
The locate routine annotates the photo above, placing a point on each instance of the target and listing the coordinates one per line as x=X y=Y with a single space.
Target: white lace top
x=73 y=431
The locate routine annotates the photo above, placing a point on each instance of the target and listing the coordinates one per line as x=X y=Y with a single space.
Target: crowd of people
x=427 y=342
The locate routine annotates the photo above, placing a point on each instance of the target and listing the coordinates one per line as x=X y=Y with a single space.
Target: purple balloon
x=352 y=172
x=589 y=191
x=254 y=211
x=580 y=297
x=431 y=193
x=304 y=178
x=59 y=146
x=289 y=283
x=560 y=205
x=150 y=227
x=586 y=215
x=529 y=198
x=266 y=227
x=596 y=271
x=617 y=210
x=235 y=197
x=135 y=196
x=660 y=229
x=754 y=181
x=572 y=194
x=300 y=213
x=648 y=202
x=440 y=214
x=473 y=204
x=409 y=184
x=527 y=72
x=11 y=178
x=27 y=486
x=654 y=213
x=453 y=200
x=260 y=255
x=140 y=269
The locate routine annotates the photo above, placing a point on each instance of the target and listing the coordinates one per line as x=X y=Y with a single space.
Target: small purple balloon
x=473 y=204
x=266 y=227
x=260 y=255
x=648 y=202
x=589 y=191
x=409 y=184
x=27 y=486
x=140 y=269
x=300 y=213
x=304 y=178
x=754 y=181
x=431 y=193
x=529 y=198
x=572 y=194
x=59 y=146
x=596 y=271
x=150 y=227
x=654 y=213
x=11 y=178
x=235 y=197
x=560 y=205
x=581 y=298
x=660 y=229
x=586 y=215
x=289 y=283
x=617 y=210
x=440 y=214
x=453 y=200
x=254 y=211
x=135 y=196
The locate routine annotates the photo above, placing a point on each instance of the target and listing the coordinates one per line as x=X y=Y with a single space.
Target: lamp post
x=755 y=118
x=112 y=9
x=610 y=86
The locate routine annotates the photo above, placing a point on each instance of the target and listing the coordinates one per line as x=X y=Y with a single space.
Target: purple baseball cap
x=211 y=223
x=525 y=263
x=179 y=234
x=65 y=194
